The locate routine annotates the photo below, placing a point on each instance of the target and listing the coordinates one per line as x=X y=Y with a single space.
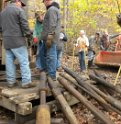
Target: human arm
x=87 y=41
x=24 y=24
x=35 y=39
x=53 y=19
x=53 y=25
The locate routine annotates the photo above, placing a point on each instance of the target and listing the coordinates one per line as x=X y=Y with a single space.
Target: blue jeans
x=51 y=60
x=90 y=55
x=59 y=56
x=41 y=56
x=21 y=54
x=82 y=60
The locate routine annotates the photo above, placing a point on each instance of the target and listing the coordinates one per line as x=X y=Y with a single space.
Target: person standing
x=14 y=27
x=50 y=36
x=105 y=41
x=60 y=48
x=94 y=47
x=82 y=44
x=40 y=55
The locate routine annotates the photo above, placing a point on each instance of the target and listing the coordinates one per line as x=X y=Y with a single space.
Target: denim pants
x=90 y=55
x=21 y=54
x=51 y=60
x=41 y=56
x=59 y=56
x=82 y=60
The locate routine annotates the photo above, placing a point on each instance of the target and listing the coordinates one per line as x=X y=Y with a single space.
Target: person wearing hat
x=14 y=27
x=82 y=44
x=50 y=36
x=40 y=57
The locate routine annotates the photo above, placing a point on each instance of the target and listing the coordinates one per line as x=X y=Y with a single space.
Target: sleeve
x=87 y=41
x=53 y=18
x=24 y=23
x=61 y=36
x=35 y=31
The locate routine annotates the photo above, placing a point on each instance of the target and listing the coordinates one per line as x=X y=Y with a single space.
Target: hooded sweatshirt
x=51 y=23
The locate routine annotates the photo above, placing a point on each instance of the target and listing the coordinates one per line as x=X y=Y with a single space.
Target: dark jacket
x=14 y=26
x=94 y=44
x=51 y=23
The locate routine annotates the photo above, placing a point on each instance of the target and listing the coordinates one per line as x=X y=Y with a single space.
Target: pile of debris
x=93 y=93
x=78 y=86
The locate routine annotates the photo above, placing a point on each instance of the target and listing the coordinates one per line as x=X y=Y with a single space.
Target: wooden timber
x=21 y=101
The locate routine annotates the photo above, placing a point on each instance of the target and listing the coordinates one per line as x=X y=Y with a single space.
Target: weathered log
x=80 y=81
x=83 y=83
x=77 y=85
x=87 y=103
x=60 y=98
x=96 y=97
x=114 y=102
x=43 y=113
x=105 y=83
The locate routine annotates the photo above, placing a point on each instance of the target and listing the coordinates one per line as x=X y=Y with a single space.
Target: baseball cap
x=82 y=31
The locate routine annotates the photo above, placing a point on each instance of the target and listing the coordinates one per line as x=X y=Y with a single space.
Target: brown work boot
x=29 y=85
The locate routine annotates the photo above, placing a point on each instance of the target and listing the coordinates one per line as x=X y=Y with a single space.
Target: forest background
x=88 y=15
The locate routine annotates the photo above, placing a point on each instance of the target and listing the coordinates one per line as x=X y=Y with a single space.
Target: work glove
x=35 y=40
x=49 y=40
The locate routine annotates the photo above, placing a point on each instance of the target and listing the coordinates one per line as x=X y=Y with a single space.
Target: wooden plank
x=53 y=105
x=24 y=98
x=9 y=93
x=22 y=108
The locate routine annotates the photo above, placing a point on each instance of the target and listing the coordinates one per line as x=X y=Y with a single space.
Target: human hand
x=35 y=40
x=49 y=40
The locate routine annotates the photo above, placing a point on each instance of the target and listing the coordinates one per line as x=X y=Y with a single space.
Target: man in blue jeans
x=14 y=28
x=82 y=44
x=50 y=36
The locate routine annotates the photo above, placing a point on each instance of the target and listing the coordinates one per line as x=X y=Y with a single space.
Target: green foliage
x=91 y=15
